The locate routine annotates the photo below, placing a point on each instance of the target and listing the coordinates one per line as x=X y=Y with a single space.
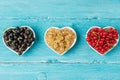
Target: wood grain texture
x=81 y=52
x=60 y=8
x=60 y=71
x=41 y=63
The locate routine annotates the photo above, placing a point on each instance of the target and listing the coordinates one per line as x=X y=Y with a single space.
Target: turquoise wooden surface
x=41 y=63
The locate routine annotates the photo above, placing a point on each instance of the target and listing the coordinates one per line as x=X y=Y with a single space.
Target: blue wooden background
x=41 y=63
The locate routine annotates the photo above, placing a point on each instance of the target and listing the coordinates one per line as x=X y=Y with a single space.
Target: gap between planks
x=57 y=63
x=63 y=18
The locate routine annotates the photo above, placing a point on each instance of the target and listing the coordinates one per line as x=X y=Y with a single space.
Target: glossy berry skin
x=19 y=38
x=102 y=39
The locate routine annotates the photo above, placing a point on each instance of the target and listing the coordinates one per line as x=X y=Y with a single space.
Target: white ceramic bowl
x=103 y=28
x=61 y=29
x=27 y=47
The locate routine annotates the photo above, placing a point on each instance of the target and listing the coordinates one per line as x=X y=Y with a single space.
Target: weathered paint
x=41 y=63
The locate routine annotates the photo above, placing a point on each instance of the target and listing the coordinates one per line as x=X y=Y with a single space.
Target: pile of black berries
x=19 y=39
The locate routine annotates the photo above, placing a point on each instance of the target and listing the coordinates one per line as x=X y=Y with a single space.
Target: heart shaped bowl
x=102 y=28
x=69 y=28
x=27 y=47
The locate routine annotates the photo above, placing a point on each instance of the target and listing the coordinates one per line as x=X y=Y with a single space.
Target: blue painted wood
x=60 y=71
x=22 y=75
x=60 y=8
x=81 y=52
x=41 y=63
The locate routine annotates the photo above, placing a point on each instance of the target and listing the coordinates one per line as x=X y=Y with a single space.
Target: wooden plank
x=22 y=76
x=39 y=52
x=60 y=71
x=41 y=63
x=60 y=8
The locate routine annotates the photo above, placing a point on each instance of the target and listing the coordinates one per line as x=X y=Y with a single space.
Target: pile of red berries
x=102 y=39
